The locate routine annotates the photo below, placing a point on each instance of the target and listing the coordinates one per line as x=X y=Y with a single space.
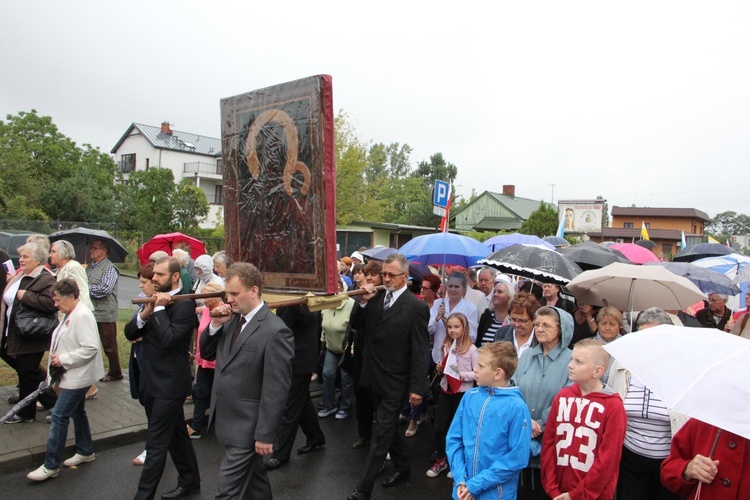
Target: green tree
x=542 y=221
x=728 y=223
x=189 y=206
x=354 y=200
x=45 y=175
x=605 y=212
x=428 y=172
x=144 y=201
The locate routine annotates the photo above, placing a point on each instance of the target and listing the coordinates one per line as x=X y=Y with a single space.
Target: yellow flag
x=644 y=233
x=712 y=240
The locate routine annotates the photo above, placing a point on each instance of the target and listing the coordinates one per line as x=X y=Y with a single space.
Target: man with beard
x=166 y=327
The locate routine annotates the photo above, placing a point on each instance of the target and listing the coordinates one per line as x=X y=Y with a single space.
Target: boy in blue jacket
x=488 y=441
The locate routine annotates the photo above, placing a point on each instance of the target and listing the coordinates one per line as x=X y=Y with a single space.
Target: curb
x=31 y=458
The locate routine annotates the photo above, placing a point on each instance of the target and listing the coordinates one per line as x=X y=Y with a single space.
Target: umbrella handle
x=710 y=454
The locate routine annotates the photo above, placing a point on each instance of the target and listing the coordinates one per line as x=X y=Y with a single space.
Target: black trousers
x=167 y=432
x=386 y=439
x=640 y=478
x=445 y=409
x=29 y=378
x=363 y=401
x=299 y=413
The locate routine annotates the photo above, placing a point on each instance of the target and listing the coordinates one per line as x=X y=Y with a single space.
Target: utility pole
x=552 y=198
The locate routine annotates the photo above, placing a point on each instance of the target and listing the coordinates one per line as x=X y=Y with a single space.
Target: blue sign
x=441 y=193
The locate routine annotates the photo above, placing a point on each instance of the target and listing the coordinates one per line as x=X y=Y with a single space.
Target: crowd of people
x=511 y=376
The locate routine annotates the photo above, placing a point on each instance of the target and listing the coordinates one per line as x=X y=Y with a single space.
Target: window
x=628 y=225
x=127 y=163
x=666 y=249
x=218 y=200
x=147 y=163
x=648 y=225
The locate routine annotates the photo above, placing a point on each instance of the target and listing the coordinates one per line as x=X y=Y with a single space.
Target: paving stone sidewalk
x=115 y=419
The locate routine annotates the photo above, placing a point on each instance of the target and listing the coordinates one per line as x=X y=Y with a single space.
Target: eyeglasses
x=95 y=248
x=430 y=288
x=544 y=327
x=519 y=321
x=390 y=275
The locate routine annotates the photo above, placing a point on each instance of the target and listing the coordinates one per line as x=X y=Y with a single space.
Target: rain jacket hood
x=206 y=264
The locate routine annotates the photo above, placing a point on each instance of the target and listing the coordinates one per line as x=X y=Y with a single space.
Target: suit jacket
x=252 y=378
x=397 y=346
x=306 y=328
x=76 y=341
x=165 y=353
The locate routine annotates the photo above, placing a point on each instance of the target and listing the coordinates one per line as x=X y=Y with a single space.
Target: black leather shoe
x=181 y=491
x=310 y=447
x=360 y=443
x=395 y=478
x=359 y=495
x=275 y=463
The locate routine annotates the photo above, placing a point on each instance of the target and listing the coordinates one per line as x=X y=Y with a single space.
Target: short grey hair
x=65 y=249
x=181 y=255
x=488 y=269
x=719 y=295
x=42 y=239
x=460 y=277
x=220 y=256
x=653 y=315
x=400 y=259
x=37 y=250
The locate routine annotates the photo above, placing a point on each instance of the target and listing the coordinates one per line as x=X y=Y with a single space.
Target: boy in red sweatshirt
x=583 y=438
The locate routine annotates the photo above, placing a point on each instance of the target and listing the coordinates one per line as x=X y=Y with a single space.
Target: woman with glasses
x=442 y=308
x=520 y=327
x=542 y=372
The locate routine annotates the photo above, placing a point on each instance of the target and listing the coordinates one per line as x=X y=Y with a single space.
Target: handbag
x=34 y=325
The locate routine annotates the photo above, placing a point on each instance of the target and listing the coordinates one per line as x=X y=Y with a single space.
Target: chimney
x=508 y=189
x=165 y=128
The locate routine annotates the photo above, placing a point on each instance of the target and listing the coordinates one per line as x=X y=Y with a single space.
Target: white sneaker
x=42 y=473
x=78 y=459
x=450 y=475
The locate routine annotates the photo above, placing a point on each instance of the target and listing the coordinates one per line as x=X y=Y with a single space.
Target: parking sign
x=441 y=194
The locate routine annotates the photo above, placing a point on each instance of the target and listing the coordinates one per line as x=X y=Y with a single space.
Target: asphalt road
x=127 y=289
x=330 y=473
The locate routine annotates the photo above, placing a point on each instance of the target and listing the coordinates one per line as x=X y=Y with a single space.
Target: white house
x=188 y=155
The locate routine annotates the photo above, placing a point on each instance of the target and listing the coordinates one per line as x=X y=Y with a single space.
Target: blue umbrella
x=707 y=280
x=505 y=240
x=445 y=248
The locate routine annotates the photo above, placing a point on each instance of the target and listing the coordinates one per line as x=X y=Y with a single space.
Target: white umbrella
x=700 y=372
x=634 y=288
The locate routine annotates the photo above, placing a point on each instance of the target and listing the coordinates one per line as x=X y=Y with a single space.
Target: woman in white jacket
x=75 y=347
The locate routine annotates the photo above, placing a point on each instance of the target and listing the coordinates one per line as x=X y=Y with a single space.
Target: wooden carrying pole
x=312 y=301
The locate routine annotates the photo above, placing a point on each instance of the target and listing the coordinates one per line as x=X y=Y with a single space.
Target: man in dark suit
x=396 y=355
x=300 y=412
x=253 y=349
x=166 y=327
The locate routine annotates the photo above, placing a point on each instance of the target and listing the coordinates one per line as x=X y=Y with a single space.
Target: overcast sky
x=644 y=103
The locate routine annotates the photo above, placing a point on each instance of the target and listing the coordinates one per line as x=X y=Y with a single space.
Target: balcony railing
x=199 y=167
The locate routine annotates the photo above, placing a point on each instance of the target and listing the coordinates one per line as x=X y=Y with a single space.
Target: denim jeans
x=204 y=381
x=70 y=404
x=330 y=367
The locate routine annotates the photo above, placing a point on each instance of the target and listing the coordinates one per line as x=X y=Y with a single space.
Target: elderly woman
x=185 y=279
x=542 y=372
x=520 y=327
x=76 y=351
x=62 y=255
x=204 y=266
x=31 y=288
x=650 y=427
x=496 y=315
x=428 y=290
x=204 y=372
x=741 y=327
x=220 y=263
x=442 y=308
x=551 y=297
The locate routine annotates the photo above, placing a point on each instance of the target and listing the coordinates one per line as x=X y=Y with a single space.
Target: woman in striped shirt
x=649 y=432
x=496 y=315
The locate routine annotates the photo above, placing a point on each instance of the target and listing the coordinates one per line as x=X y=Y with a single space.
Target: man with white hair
x=486 y=281
x=717 y=314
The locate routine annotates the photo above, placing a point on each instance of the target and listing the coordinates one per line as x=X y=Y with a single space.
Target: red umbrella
x=635 y=253
x=164 y=243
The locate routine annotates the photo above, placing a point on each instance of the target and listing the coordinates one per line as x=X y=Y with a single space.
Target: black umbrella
x=55 y=375
x=707 y=280
x=589 y=255
x=556 y=241
x=702 y=250
x=418 y=270
x=648 y=244
x=81 y=239
x=533 y=262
